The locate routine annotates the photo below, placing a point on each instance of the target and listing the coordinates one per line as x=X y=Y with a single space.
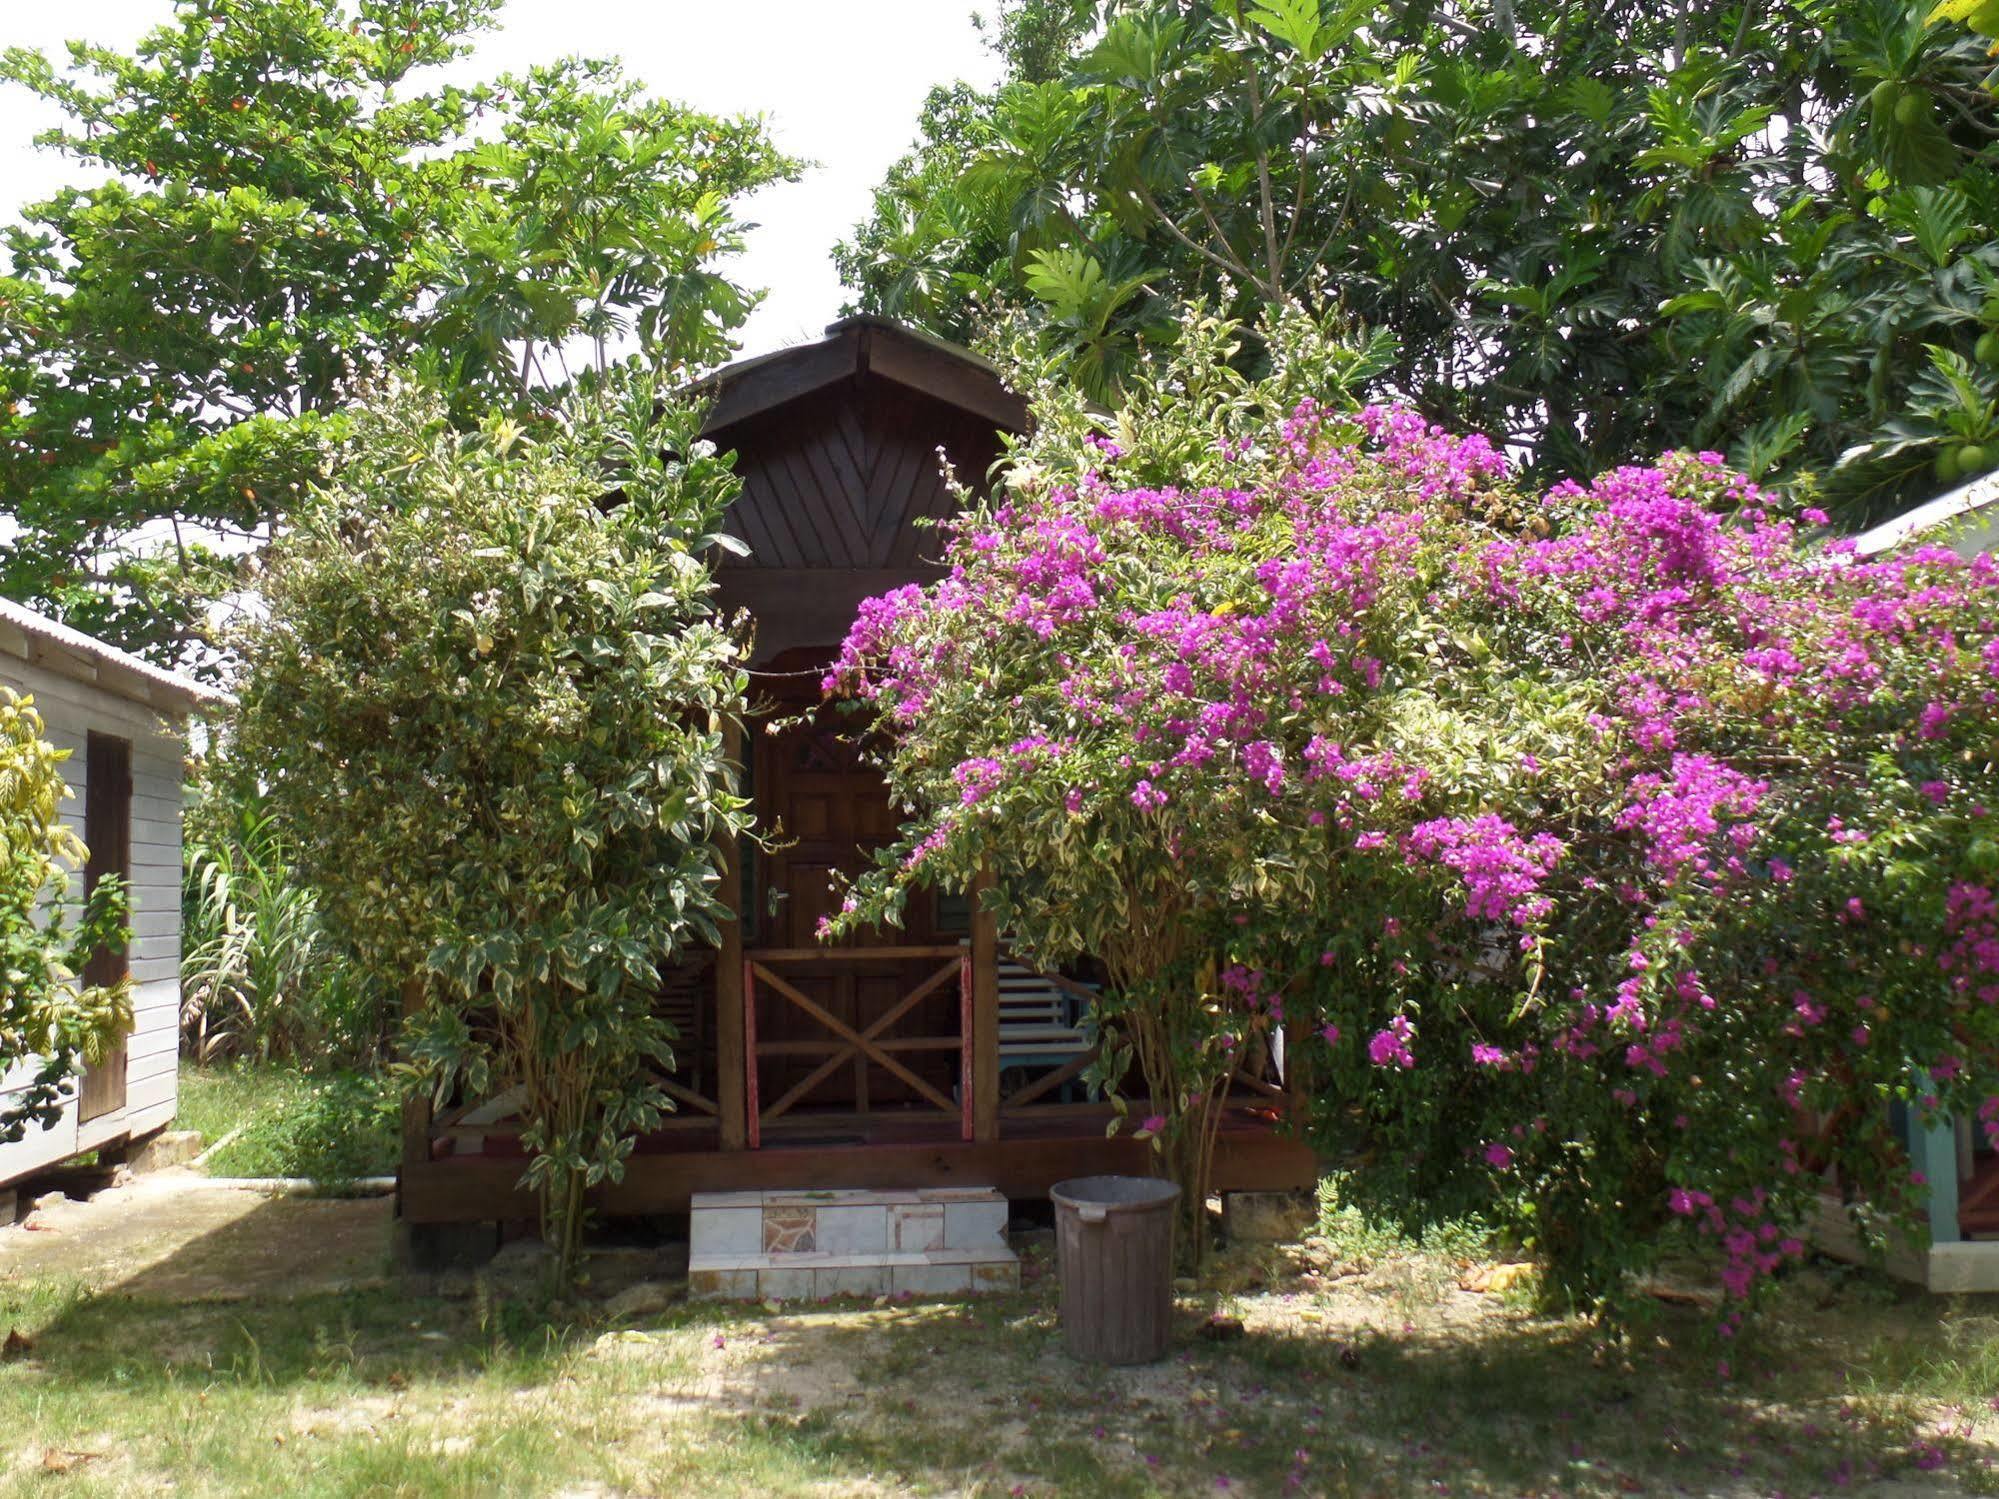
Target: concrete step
x=849 y=1242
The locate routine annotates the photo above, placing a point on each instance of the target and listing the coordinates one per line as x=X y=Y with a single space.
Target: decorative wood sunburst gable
x=838 y=444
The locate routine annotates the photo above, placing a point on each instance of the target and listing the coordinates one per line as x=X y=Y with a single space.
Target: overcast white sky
x=841 y=80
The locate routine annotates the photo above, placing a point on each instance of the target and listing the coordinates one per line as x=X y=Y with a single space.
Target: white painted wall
x=70 y=710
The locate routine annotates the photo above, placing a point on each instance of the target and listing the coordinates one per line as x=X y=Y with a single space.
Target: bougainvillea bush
x=1622 y=851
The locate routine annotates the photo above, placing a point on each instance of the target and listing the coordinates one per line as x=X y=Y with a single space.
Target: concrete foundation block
x=170 y=1147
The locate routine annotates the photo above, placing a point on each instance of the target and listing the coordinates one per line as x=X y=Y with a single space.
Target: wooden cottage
x=122 y=720
x=923 y=1057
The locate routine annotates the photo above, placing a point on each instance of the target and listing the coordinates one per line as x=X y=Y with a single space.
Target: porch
x=889 y=1099
x=921 y=1058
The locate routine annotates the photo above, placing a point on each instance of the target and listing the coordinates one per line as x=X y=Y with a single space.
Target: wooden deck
x=882 y=1149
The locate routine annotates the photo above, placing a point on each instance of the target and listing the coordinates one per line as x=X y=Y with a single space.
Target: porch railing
x=871 y=1044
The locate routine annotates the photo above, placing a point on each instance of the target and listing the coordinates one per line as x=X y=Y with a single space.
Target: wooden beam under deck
x=480 y=1188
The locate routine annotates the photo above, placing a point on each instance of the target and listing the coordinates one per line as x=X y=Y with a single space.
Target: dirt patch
x=179 y=1236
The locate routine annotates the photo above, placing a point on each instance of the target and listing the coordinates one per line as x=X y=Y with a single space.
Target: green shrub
x=489 y=710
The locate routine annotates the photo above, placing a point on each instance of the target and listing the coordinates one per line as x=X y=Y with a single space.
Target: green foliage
x=290 y=208
x=489 y=708
x=49 y=1020
x=260 y=976
x=1596 y=231
x=1361 y=1238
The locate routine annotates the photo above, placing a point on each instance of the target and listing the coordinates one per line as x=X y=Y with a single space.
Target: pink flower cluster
x=1502 y=870
x=1694 y=813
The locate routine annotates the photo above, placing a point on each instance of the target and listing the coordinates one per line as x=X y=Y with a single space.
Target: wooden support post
x=1297 y=1082
x=416 y=1105
x=753 y=1107
x=1933 y=1149
x=966 y=1130
x=985 y=1015
x=729 y=1054
x=413 y=1245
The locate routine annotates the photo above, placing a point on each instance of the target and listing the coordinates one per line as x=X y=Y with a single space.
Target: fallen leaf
x=1494 y=1279
x=54 y=1461
x=18 y=1345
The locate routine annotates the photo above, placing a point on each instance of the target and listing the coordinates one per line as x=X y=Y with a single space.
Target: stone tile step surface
x=845 y=1197
x=813 y=1276
x=811 y=1261
x=847 y=1221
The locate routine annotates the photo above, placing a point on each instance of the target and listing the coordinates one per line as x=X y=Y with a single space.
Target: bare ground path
x=181 y=1236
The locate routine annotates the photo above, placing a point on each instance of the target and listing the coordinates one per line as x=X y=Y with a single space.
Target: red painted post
x=965 y=1130
x=754 y=1107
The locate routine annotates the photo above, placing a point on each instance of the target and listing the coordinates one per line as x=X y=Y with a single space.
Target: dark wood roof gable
x=857 y=346
x=837 y=444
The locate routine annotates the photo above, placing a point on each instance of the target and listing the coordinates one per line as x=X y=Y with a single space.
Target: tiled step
x=926 y=1241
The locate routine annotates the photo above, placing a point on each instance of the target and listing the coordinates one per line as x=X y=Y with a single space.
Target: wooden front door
x=107 y=831
x=833 y=813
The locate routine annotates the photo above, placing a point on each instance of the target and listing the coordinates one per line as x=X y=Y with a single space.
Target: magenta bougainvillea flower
x=1642 y=828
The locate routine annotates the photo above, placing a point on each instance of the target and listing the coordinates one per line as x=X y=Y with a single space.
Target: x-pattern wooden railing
x=871 y=1043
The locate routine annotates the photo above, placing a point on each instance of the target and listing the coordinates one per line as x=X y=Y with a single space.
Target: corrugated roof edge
x=1948 y=506
x=68 y=652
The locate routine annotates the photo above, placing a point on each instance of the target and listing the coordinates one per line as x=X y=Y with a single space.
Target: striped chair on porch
x=1037 y=1020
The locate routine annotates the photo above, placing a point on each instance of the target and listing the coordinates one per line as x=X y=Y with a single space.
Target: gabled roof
x=858 y=346
x=67 y=652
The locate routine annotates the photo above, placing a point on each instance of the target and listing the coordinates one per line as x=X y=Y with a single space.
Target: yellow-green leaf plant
x=50 y=1019
x=488 y=699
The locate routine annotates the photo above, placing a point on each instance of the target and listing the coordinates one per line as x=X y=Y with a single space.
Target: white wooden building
x=124 y=722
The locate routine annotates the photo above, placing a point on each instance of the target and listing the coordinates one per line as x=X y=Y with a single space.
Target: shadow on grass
x=1511 y=1405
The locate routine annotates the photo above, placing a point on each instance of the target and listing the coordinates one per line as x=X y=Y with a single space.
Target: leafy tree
x=1596 y=230
x=1616 y=854
x=49 y=1020
x=489 y=710
x=289 y=210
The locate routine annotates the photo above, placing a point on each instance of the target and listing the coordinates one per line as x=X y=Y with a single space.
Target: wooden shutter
x=107 y=830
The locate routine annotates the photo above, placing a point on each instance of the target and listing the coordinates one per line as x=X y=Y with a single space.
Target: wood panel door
x=107 y=831
x=834 y=813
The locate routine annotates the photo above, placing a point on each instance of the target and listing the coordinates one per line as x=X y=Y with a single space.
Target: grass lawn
x=1364 y=1367
x=332 y=1127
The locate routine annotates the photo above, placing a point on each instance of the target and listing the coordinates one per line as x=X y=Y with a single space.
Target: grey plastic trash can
x=1114 y=1252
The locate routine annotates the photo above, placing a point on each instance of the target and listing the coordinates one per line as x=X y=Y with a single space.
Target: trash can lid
x=1115 y=1192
